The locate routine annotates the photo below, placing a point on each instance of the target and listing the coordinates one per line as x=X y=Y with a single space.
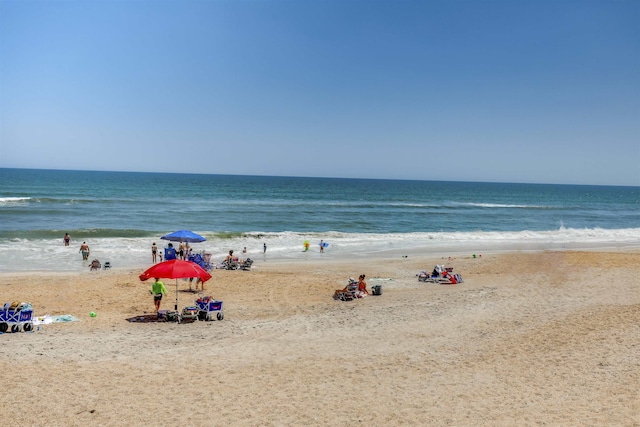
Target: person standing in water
x=84 y=250
x=154 y=252
x=66 y=239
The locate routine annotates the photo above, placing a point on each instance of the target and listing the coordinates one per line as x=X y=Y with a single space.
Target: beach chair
x=246 y=265
x=440 y=275
x=169 y=253
x=349 y=293
x=436 y=276
x=202 y=261
x=197 y=258
x=207 y=261
x=230 y=265
x=453 y=279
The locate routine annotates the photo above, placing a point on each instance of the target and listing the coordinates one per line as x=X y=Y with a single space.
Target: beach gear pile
x=96 y=265
x=206 y=308
x=350 y=292
x=236 y=264
x=203 y=260
x=440 y=275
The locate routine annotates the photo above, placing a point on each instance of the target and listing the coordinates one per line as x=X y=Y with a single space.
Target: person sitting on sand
x=230 y=262
x=158 y=289
x=362 y=286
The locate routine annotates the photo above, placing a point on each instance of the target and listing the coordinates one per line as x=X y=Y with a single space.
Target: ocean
x=120 y=214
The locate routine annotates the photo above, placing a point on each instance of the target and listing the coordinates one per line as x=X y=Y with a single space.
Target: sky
x=540 y=91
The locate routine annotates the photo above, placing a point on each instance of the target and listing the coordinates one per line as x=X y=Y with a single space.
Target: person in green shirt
x=158 y=289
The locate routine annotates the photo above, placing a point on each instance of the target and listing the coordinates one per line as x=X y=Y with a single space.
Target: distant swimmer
x=66 y=239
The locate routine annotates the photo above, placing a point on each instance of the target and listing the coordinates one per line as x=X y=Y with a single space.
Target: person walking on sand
x=66 y=239
x=84 y=250
x=158 y=290
x=154 y=252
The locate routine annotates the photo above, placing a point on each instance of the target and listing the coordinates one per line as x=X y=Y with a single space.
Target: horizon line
x=321 y=177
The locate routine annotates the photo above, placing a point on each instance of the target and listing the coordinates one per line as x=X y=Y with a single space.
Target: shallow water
x=121 y=214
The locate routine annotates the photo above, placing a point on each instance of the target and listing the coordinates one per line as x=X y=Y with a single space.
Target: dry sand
x=545 y=338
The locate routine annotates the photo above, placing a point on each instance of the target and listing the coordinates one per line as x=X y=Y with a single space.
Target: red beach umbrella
x=176 y=269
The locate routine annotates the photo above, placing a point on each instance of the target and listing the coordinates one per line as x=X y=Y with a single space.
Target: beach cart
x=209 y=309
x=17 y=315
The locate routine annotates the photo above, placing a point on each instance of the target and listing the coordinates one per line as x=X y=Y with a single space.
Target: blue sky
x=507 y=91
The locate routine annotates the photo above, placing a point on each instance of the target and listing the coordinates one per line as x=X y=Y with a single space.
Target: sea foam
x=52 y=255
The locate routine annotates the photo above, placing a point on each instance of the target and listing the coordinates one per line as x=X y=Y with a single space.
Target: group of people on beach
x=158 y=288
x=306 y=245
x=183 y=252
x=84 y=248
x=352 y=290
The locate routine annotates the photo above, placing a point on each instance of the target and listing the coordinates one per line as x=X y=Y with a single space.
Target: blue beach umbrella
x=184 y=236
x=187 y=236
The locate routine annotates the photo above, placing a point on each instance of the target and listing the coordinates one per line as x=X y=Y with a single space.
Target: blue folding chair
x=169 y=254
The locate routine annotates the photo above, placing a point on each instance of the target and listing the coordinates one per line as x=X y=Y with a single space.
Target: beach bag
x=172 y=316
x=190 y=312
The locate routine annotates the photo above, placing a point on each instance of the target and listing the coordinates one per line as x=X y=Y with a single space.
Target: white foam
x=51 y=255
x=13 y=201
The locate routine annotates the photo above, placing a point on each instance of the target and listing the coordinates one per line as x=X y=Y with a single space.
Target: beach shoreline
x=48 y=260
x=530 y=337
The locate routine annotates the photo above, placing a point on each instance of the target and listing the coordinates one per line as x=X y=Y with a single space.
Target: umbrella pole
x=176 y=308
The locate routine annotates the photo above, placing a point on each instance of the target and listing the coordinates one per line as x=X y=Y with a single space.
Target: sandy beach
x=530 y=338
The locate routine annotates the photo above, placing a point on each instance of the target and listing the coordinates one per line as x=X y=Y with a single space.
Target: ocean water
x=120 y=214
